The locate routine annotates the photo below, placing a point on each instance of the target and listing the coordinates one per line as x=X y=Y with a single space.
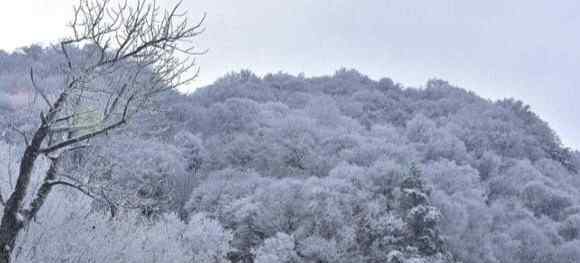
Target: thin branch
x=10 y=174
x=22 y=133
x=76 y=114
x=2 y=199
x=63 y=48
x=44 y=97
x=56 y=106
x=93 y=134
x=111 y=109
x=81 y=138
x=71 y=129
x=86 y=192
x=112 y=206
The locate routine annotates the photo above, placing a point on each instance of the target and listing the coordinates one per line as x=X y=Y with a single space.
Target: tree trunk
x=5 y=255
x=9 y=232
x=13 y=220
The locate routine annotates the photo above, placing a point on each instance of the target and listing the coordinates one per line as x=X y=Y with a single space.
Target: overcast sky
x=529 y=50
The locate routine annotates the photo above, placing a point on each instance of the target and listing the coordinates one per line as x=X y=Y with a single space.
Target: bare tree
x=116 y=60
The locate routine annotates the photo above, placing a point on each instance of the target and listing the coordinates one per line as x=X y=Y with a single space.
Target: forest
x=103 y=158
x=289 y=169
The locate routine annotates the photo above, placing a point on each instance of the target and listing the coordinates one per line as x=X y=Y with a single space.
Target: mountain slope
x=339 y=168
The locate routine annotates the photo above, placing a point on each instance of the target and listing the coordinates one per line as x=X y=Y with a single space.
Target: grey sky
x=529 y=50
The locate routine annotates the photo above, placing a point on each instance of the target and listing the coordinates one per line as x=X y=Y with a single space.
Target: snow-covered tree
x=128 y=55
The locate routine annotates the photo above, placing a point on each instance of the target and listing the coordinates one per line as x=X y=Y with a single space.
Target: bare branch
x=44 y=97
x=128 y=55
x=63 y=48
x=111 y=109
x=86 y=192
x=81 y=138
x=10 y=173
x=42 y=194
x=72 y=129
x=2 y=202
x=73 y=115
x=21 y=132
x=112 y=206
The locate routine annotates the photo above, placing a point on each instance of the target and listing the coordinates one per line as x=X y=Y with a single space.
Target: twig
x=44 y=97
x=22 y=133
x=86 y=192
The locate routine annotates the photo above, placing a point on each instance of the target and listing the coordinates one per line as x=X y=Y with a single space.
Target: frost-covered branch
x=116 y=60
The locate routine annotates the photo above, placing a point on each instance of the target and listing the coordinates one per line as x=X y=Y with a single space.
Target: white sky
x=526 y=49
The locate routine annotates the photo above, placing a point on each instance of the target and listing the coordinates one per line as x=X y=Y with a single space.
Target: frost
x=291 y=169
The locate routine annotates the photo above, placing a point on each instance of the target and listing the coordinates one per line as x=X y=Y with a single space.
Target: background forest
x=284 y=168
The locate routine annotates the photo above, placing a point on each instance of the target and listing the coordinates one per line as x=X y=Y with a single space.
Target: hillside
x=284 y=168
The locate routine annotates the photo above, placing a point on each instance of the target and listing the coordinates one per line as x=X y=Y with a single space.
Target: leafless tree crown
x=129 y=54
x=117 y=58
